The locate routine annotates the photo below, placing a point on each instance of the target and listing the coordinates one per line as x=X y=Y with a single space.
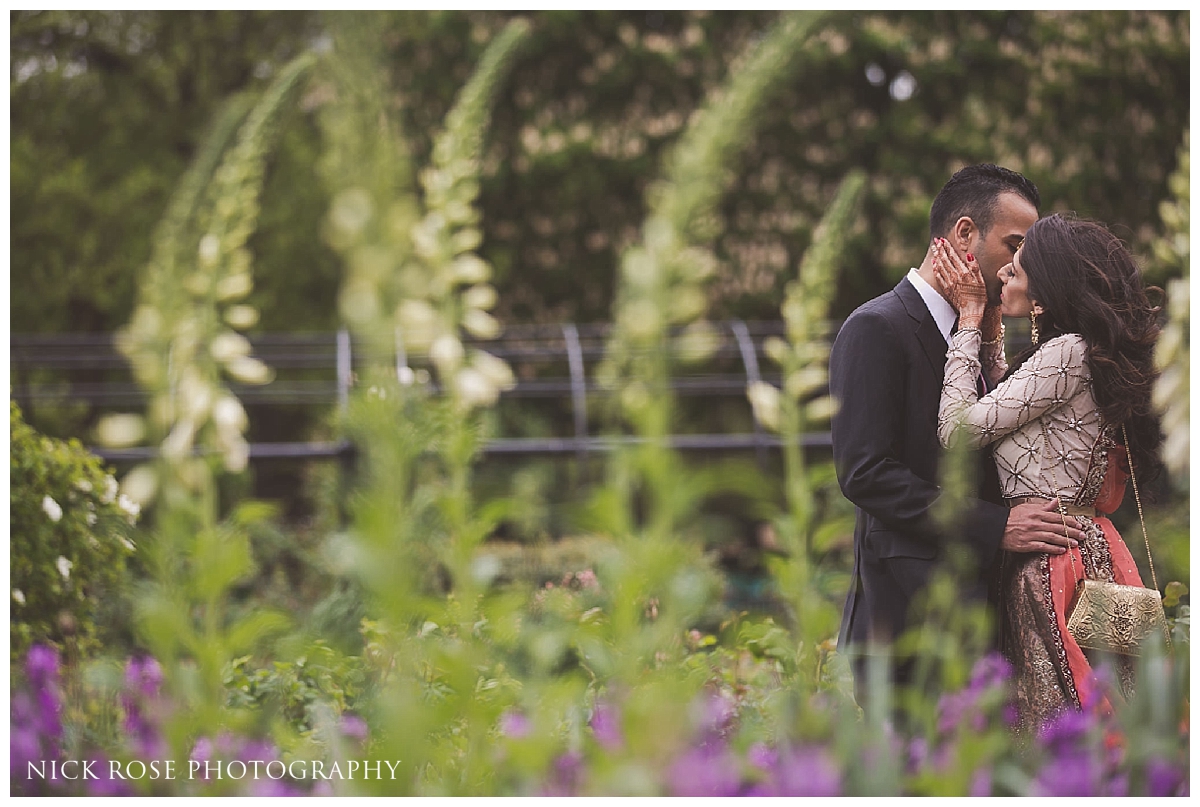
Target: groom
x=885 y=373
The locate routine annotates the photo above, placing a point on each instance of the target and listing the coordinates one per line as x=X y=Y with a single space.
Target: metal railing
x=314 y=369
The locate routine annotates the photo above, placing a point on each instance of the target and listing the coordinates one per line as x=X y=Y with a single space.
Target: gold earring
x=1033 y=329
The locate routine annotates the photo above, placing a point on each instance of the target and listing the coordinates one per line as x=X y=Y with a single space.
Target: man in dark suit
x=885 y=373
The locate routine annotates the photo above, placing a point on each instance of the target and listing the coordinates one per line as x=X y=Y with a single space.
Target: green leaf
x=245 y=634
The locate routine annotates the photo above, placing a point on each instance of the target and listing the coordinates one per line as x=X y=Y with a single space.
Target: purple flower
x=514 y=724
x=566 y=776
x=981 y=783
x=260 y=750
x=1118 y=786
x=709 y=770
x=1064 y=731
x=144 y=675
x=991 y=670
x=42 y=668
x=606 y=727
x=1011 y=715
x=1075 y=773
x=953 y=708
x=24 y=741
x=141 y=700
x=761 y=756
x=49 y=715
x=918 y=753
x=1163 y=779
x=808 y=771
x=104 y=785
x=41 y=665
x=202 y=751
x=714 y=714
x=355 y=727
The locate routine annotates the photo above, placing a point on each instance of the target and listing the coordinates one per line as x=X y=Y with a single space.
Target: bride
x=1065 y=422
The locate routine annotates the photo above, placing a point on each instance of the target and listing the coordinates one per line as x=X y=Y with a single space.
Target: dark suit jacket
x=885 y=372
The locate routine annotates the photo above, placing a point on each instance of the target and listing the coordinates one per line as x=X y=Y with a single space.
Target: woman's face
x=1014 y=289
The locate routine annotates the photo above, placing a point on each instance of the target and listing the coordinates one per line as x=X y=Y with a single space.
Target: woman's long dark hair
x=1089 y=284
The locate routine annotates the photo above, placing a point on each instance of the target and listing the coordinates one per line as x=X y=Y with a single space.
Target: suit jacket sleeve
x=868 y=378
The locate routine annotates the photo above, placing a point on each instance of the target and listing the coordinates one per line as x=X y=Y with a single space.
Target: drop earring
x=1033 y=328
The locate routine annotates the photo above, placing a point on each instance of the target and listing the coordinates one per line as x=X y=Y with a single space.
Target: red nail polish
x=970 y=257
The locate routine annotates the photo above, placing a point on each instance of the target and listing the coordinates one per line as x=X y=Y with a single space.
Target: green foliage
x=299 y=691
x=69 y=538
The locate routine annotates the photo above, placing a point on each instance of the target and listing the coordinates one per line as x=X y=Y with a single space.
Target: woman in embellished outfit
x=1064 y=422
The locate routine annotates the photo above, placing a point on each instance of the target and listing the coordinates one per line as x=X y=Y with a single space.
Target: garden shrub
x=69 y=538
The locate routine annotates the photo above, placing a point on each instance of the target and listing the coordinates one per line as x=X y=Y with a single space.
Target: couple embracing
x=923 y=367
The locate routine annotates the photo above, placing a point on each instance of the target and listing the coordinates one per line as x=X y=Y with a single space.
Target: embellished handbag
x=1109 y=616
x=1115 y=618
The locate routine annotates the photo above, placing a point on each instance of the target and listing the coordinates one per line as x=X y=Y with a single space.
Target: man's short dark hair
x=973 y=192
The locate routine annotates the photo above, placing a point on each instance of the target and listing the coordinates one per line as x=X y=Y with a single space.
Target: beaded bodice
x=1054 y=387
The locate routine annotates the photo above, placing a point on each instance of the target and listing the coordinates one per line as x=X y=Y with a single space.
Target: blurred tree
x=108 y=107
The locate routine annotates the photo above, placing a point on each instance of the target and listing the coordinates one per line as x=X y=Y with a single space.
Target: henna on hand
x=961 y=282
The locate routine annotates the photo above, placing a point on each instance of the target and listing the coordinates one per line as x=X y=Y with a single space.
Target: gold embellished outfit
x=1049 y=441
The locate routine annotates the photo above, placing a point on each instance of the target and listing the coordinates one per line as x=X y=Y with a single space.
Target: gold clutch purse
x=1109 y=616
x=1116 y=618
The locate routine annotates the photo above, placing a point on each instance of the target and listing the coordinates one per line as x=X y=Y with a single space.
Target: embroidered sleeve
x=994 y=363
x=1045 y=381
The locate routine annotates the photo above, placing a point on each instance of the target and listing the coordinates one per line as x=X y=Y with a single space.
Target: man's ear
x=963 y=234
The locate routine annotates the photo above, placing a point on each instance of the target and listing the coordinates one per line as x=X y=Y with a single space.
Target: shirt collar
x=943 y=313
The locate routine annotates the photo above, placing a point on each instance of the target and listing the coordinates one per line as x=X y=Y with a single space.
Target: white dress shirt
x=944 y=314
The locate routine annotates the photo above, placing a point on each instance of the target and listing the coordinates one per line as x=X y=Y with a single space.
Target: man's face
x=995 y=249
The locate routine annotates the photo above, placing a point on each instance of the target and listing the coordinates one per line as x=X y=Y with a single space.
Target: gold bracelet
x=995 y=341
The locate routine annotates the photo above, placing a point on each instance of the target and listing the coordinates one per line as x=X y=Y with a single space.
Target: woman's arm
x=1049 y=378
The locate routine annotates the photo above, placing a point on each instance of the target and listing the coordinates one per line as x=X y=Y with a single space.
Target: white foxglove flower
x=249 y=370
x=804 y=381
x=91 y=519
x=480 y=296
x=19 y=596
x=140 y=484
x=119 y=431
x=776 y=348
x=64 y=567
x=52 y=508
x=210 y=249
x=764 y=399
x=474 y=388
x=418 y=321
x=241 y=316
x=228 y=414
x=480 y=323
x=494 y=369
x=234 y=286
x=446 y=352
x=83 y=485
x=470 y=269
x=225 y=346
x=179 y=442
x=822 y=408
x=110 y=489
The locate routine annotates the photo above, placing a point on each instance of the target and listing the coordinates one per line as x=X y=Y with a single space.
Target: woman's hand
x=961 y=282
